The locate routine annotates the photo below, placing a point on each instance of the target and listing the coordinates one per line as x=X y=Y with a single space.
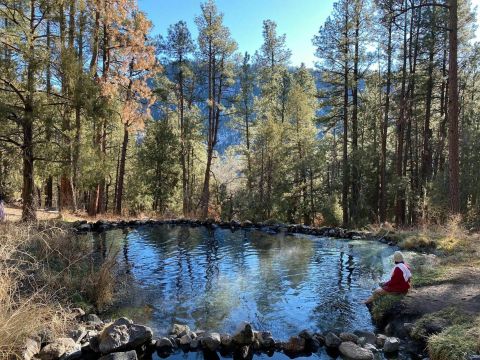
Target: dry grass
x=43 y=270
x=25 y=308
x=456 y=342
x=450 y=238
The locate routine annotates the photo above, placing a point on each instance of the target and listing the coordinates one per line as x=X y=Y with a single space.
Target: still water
x=212 y=280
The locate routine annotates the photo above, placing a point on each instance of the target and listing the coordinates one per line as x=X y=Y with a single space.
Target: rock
x=235 y=223
x=123 y=335
x=354 y=352
x=380 y=340
x=211 y=341
x=306 y=334
x=295 y=345
x=58 y=348
x=391 y=345
x=185 y=340
x=344 y=336
x=129 y=355
x=76 y=355
x=30 y=348
x=369 y=337
x=164 y=345
x=194 y=344
x=313 y=345
x=76 y=313
x=93 y=319
x=78 y=334
x=266 y=339
x=84 y=228
x=88 y=337
x=179 y=330
x=244 y=334
x=474 y=357
x=320 y=338
x=371 y=347
x=226 y=340
x=332 y=340
x=242 y=353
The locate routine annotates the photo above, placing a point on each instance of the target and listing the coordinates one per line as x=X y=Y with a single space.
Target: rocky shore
x=122 y=339
x=267 y=226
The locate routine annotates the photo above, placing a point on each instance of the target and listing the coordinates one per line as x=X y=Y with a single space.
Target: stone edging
x=124 y=340
x=268 y=227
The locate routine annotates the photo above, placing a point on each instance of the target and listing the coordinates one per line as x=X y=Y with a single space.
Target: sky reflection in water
x=212 y=280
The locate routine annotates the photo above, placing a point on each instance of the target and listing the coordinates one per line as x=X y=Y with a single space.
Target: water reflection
x=215 y=279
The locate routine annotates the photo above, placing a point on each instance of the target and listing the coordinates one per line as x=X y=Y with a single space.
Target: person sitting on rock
x=399 y=282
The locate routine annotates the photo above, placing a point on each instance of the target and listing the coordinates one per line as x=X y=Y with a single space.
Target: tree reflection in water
x=213 y=279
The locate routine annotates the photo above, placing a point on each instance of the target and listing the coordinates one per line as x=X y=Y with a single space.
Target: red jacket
x=397 y=283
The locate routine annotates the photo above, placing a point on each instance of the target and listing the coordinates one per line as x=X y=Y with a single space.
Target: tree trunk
x=453 y=137
x=400 y=194
x=354 y=157
x=28 y=189
x=345 y=124
x=383 y=170
x=121 y=171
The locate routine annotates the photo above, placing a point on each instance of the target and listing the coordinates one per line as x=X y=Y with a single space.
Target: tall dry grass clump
x=45 y=269
x=26 y=310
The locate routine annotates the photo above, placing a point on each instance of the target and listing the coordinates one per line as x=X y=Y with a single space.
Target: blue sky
x=299 y=19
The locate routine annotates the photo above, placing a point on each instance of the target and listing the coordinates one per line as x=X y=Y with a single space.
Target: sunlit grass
x=456 y=342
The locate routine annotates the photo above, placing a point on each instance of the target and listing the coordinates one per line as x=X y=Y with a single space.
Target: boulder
x=265 y=339
x=194 y=344
x=332 y=340
x=295 y=345
x=30 y=348
x=344 y=336
x=244 y=334
x=226 y=340
x=93 y=319
x=371 y=347
x=242 y=353
x=354 y=352
x=58 y=348
x=185 y=340
x=380 y=340
x=163 y=343
x=392 y=344
x=129 y=355
x=368 y=337
x=211 y=341
x=179 y=330
x=123 y=335
x=306 y=334
x=76 y=313
x=78 y=334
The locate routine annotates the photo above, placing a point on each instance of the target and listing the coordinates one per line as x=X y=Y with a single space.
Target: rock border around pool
x=275 y=228
x=124 y=340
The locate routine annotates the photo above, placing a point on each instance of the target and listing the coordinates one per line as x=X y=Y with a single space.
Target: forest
x=98 y=115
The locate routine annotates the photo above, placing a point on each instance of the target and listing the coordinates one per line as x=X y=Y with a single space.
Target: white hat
x=398 y=256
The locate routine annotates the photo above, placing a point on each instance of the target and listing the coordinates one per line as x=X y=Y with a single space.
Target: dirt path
x=460 y=289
